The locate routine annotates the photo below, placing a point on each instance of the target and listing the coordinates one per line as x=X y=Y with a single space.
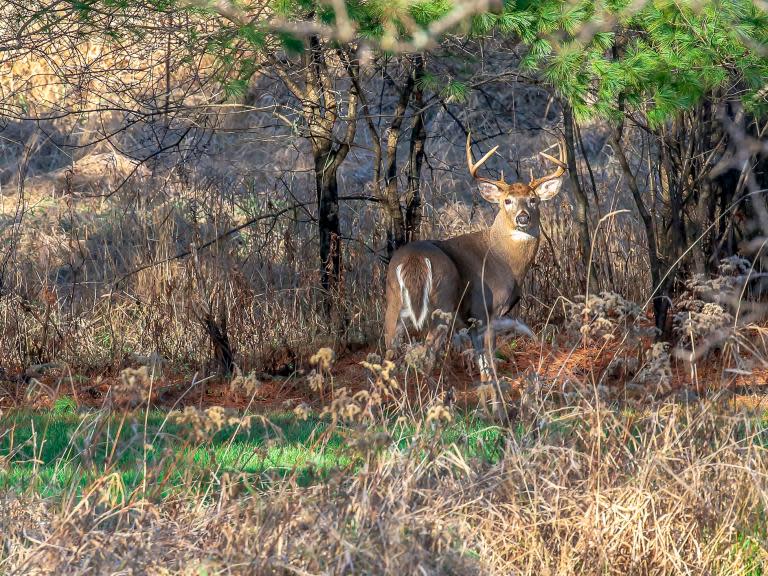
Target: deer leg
x=479 y=340
x=393 y=326
x=507 y=325
x=490 y=350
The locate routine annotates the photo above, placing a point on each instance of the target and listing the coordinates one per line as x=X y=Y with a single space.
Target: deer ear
x=490 y=192
x=549 y=189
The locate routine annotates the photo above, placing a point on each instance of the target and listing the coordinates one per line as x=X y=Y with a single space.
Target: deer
x=476 y=277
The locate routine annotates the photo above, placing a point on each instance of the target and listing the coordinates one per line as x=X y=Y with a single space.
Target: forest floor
x=187 y=484
x=517 y=360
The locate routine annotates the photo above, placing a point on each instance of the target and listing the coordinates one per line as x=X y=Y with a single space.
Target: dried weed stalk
x=604 y=317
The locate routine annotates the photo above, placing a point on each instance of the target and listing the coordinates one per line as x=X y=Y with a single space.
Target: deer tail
x=415 y=279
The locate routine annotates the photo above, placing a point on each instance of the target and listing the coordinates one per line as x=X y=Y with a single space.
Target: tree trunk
x=418 y=141
x=222 y=350
x=659 y=286
x=582 y=202
x=670 y=193
x=320 y=106
x=328 y=220
x=396 y=233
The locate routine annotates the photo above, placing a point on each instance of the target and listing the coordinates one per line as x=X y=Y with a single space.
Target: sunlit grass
x=51 y=452
x=584 y=488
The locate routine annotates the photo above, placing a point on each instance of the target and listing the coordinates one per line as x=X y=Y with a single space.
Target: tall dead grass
x=90 y=279
x=576 y=481
x=584 y=489
x=94 y=282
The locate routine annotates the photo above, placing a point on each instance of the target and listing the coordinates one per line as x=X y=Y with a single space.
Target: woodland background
x=186 y=179
x=198 y=199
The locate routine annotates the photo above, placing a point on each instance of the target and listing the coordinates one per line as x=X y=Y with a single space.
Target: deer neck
x=514 y=248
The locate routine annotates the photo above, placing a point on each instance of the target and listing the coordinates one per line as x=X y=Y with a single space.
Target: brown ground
x=558 y=363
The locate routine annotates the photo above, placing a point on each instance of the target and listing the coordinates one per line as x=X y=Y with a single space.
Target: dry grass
x=586 y=477
x=585 y=489
x=94 y=283
x=76 y=299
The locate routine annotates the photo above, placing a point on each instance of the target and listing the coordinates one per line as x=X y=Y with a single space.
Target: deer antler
x=473 y=167
x=559 y=171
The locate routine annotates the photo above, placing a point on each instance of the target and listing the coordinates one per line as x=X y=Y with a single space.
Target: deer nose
x=523 y=219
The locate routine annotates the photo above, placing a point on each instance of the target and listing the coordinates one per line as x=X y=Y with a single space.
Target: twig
x=228 y=233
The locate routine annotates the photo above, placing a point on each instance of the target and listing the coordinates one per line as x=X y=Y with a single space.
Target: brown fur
x=442 y=296
x=474 y=276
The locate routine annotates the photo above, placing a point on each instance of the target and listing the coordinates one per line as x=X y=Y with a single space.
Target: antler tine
x=474 y=166
x=554 y=160
x=559 y=171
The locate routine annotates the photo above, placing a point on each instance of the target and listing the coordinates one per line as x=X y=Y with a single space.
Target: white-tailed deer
x=475 y=276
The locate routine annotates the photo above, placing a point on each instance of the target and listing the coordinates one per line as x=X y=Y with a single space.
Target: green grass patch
x=64 y=451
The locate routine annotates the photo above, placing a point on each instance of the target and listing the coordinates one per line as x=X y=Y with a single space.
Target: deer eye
x=507 y=201
x=533 y=200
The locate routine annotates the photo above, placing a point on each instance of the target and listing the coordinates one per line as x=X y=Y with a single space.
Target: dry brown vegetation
x=581 y=489
x=608 y=458
x=111 y=251
x=159 y=252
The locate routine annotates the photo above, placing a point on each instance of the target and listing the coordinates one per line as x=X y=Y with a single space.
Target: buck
x=477 y=277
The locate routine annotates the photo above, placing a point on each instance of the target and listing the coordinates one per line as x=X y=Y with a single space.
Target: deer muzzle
x=523 y=219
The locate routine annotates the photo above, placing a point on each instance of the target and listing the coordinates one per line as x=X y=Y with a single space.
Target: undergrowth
x=379 y=482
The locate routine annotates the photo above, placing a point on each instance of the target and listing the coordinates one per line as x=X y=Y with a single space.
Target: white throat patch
x=521 y=236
